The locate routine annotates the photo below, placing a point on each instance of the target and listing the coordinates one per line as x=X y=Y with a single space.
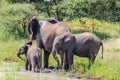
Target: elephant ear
x=68 y=37
x=28 y=43
x=52 y=20
x=69 y=41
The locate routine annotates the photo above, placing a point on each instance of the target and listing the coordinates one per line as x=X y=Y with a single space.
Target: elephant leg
x=39 y=63
x=26 y=64
x=62 y=60
x=70 y=56
x=30 y=67
x=66 y=64
x=33 y=63
x=33 y=66
x=91 y=60
x=62 y=57
x=46 y=58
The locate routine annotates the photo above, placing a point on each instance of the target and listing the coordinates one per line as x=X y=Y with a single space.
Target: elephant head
x=66 y=44
x=23 y=49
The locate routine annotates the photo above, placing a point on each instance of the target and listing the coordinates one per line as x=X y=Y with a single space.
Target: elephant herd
x=56 y=37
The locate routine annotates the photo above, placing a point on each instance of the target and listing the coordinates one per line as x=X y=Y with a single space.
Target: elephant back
x=61 y=28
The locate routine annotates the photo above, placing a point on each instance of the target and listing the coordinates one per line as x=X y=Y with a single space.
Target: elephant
x=33 y=56
x=83 y=45
x=64 y=45
x=45 y=34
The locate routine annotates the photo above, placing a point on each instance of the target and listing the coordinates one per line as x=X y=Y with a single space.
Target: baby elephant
x=83 y=45
x=33 y=56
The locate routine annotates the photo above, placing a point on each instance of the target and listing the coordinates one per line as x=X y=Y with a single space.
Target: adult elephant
x=45 y=32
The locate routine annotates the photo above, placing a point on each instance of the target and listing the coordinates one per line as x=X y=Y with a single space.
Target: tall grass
x=9 y=49
x=107 y=69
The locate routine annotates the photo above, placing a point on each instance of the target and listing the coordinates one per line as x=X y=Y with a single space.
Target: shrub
x=101 y=28
x=12 y=17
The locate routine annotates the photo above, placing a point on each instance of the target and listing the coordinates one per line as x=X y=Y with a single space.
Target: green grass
x=9 y=49
x=107 y=69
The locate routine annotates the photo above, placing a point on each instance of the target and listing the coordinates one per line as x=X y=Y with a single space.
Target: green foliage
x=101 y=28
x=108 y=10
x=12 y=17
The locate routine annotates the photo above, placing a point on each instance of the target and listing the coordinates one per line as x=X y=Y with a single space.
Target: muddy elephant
x=45 y=32
x=83 y=45
x=33 y=56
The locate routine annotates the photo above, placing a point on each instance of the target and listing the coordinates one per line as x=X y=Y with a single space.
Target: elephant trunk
x=55 y=57
x=18 y=55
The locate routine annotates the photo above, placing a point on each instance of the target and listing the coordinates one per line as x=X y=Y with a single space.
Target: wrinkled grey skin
x=47 y=31
x=86 y=45
x=33 y=56
x=64 y=43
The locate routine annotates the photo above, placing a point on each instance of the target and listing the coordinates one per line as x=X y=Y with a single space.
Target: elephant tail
x=101 y=44
x=32 y=28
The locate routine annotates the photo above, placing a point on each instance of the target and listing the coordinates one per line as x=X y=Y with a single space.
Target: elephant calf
x=33 y=56
x=83 y=45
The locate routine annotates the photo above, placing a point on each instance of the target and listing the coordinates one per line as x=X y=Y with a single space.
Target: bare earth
x=8 y=72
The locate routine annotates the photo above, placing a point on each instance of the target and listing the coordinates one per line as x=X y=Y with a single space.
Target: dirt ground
x=8 y=72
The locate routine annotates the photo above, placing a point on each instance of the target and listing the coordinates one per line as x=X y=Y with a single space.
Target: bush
x=101 y=28
x=108 y=10
x=12 y=17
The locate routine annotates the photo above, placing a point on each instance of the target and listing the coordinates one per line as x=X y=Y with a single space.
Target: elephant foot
x=56 y=67
x=66 y=67
x=51 y=67
x=62 y=70
x=26 y=69
x=45 y=66
x=37 y=71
